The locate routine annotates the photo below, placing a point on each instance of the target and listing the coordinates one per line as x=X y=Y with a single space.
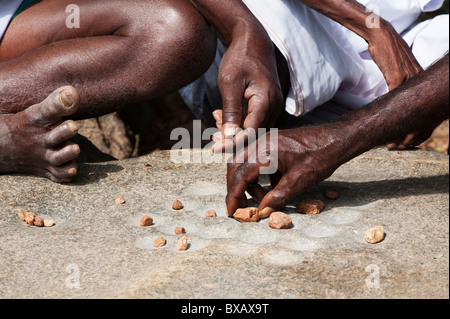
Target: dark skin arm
x=388 y=50
x=309 y=155
x=248 y=78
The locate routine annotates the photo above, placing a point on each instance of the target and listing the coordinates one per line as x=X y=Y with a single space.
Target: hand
x=301 y=158
x=250 y=88
x=411 y=140
x=392 y=55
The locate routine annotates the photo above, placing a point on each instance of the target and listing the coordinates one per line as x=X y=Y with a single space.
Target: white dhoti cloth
x=329 y=62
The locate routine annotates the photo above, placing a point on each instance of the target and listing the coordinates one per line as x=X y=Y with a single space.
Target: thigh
x=45 y=21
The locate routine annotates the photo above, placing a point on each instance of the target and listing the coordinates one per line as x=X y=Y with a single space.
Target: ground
x=98 y=249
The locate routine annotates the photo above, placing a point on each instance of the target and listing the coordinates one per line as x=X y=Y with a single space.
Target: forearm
x=232 y=20
x=421 y=103
x=348 y=13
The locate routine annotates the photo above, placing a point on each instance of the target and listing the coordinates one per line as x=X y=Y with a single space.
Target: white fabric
x=328 y=61
x=7 y=10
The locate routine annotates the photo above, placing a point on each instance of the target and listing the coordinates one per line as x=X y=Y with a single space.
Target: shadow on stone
x=361 y=193
x=92 y=173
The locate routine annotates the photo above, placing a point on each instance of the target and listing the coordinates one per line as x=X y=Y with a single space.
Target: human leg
x=122 y=54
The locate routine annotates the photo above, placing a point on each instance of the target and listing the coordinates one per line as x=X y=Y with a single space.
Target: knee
x=186 y=32
x=176 y=35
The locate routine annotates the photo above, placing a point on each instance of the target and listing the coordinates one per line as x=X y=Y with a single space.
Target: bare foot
x=36 y=140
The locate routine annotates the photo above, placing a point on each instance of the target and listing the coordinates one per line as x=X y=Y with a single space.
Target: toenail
x=76 y=149
x=72 y=171
x=72 y=126
x=66 y=98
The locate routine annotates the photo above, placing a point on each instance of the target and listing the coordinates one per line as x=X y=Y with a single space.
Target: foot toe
x=60 y=134
x=62 y=102
x=62 y=174
x=67 y=153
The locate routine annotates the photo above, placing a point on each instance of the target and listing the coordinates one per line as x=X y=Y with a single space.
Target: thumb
x=279 y=197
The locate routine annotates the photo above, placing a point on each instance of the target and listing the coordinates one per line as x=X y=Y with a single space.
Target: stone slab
x=97 y=249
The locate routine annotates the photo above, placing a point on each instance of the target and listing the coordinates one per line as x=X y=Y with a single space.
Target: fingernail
x=229 y=131
x=266 y=212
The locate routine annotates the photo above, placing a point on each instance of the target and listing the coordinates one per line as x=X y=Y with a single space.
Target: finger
x=391 y=146
x=239 y=177
x=258 y=113
x=278 y=198
x=217 y=114
x=217 y=137
x=223 y=145
x=275 y=179
x=232 y=98
x=257 y=192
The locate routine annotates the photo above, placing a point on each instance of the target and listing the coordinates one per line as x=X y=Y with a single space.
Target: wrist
x=380 y=33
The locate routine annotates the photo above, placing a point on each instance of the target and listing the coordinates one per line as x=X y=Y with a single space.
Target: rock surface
x=97 y=249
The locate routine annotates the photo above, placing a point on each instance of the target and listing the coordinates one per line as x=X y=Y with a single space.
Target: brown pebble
x=279 y=220
x=375 y=235
x=331 y=194
x=146 y=221
x=49 y=223
x=29 y=218
x=21 y=215
x=211 y=213
x=247 y=215
x=182 y=244
x=120 y=200
x=180 y=231
x=177 y=205
x=159 y=242
x=39 y=222
x=310 y=207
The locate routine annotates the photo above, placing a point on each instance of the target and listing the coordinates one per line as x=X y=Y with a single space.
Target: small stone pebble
x=211 y=213
x=29 y=218
x=21 y=215
x=120 y=200
x=49 y=223
x=331 y=194
x=180 y=231
x=182 y=244
x=310 y=207
x=279 y=220
x=177 y=205
x=247 y=215
x=375 y=235
x=146 y=221
x=159 y=242
x=39 y=222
